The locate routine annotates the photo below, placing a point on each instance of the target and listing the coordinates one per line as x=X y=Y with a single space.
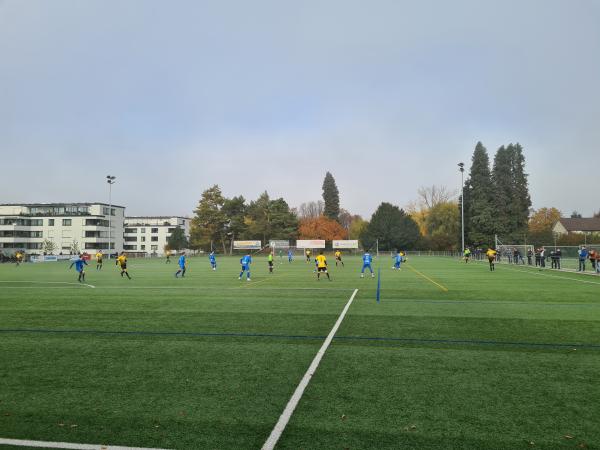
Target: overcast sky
x=174 y=96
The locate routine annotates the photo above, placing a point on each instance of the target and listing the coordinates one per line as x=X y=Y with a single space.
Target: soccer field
x=453 y=356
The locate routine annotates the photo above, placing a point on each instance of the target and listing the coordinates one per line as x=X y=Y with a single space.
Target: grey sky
x=174 y=96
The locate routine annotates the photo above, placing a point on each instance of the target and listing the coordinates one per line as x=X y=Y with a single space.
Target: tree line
x=495 y=196
x=218 y=221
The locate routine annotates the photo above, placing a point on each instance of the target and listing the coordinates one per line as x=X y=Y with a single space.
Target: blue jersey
x=182 y=261
x=398 y=259
x=212 y=257
x=79 y=263
x=367 y=258
x=246 y=260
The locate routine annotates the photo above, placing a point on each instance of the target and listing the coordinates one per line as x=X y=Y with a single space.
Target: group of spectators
x=540 y=256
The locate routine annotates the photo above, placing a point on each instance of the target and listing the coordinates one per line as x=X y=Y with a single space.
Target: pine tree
x=503 y=192
x=331 y=197
x=521 y=200
x=480 y=207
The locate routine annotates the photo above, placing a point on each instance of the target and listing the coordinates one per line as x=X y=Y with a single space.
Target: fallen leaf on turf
x=582 y=445
x=568 y=436
x=73 y=426
x=61 y=424
x=343 y=417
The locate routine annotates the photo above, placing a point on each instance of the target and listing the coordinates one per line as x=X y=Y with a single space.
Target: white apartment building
x=148 y=234
x=60 y=228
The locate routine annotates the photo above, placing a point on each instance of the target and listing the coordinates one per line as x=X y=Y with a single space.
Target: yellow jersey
x=491 y=253
x=99 y=256
x=321 y=261
x=122 y=259
x=338 y=254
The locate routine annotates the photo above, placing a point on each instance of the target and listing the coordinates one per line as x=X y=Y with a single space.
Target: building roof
x=591 y=224
x=29 y=205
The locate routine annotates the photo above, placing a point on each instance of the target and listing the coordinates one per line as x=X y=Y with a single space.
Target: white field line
x=49 y=282
x=295 y=399
x=67 y=445
x=542 y=273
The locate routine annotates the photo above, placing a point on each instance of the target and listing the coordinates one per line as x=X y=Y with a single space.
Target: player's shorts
x=124 y=266
x=99 y=261
x=322 y=269
x=491 y=259
x=245 y=268
x=182 y=267
x=270 y=263
x=338 y=258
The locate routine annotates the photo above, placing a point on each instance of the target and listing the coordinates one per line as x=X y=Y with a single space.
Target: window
x=37 y=222
x=130 y=247
x=143 y=238
x=96 y=246
x=154 y=247
x=66 y=222
x=142 y=247
x=96 y=223
x=170 y=230
x=50 y=222
x=130 y=238
x=143 y=230
x=130 y=230
x=154 y=230
x=154 y=238
x=107 y=211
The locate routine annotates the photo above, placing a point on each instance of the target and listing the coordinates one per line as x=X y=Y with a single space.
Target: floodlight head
x=461 y=166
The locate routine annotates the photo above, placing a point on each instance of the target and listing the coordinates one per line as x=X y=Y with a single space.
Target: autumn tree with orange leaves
x=321 y=228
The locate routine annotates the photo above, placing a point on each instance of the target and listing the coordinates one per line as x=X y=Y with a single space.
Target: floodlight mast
x=461 y=167
x=110 y=180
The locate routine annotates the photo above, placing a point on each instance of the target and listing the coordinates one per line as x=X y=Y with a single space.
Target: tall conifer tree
x=480 y=206
x=331 y=197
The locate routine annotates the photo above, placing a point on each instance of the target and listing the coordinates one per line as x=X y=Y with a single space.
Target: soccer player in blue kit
x=290 y=256
x=79 y=264
x=213 y=260
x=397 y=261
x=245 y=262
x=367 y=260
x=182 y=267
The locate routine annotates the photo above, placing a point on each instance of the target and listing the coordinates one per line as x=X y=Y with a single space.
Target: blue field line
x=311 y=337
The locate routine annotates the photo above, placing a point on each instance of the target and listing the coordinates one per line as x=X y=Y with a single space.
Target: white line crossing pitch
x=295 y=399
x=50 y=282
x=68 y=445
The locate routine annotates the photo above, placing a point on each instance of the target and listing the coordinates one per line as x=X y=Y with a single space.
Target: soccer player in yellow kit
x=322 y=266
x=491 y=254
x=338 y=258
x=99 y=258
x=122 y=260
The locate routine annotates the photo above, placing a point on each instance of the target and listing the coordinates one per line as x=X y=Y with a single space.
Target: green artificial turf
x=454 y=356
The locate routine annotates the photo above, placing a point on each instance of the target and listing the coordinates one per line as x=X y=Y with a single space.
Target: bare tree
x=346 y=218
x=311 y=210
x=431 y=196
